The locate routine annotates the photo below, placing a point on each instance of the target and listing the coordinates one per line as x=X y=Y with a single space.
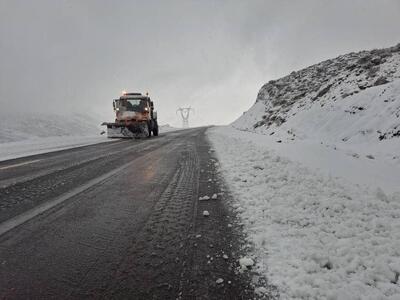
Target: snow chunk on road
x=204 y=198
x=246 y=262
x=219 y=281
x=206 y=213
x=214 y=197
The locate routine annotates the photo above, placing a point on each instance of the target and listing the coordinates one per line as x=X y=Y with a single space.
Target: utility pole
x=185 y=112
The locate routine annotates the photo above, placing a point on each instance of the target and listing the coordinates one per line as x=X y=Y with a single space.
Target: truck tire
x=155 y=129
x=148 y=130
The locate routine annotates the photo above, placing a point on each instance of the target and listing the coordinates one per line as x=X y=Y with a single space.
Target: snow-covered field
x=29 y=134
x=28 y=147
x=24 y=126
x=314 y=167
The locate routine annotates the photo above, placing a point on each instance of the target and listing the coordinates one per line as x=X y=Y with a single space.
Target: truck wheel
x=148 y=130
x=155 y=129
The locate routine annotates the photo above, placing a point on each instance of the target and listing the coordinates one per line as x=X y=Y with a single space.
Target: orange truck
x=135 y=117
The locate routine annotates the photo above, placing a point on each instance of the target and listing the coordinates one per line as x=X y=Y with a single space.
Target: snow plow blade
x=115 y=130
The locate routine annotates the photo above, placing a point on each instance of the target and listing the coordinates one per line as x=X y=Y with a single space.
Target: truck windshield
x=137 y=105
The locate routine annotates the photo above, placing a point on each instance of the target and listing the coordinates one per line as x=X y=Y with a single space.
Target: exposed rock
x=376 y=60
x=323 y=91
x=365 y=59
x=395 y=48
x=381 y=80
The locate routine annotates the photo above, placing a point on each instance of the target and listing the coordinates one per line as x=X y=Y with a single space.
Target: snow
x=167 y=128
x=344 y=144
x=206 y=213
x=26 y=134
x=314 y=170
x=314 y=236
x=25 y=126
x=339 y=163
x=260 y=291
x=214 y=196
x=219 y=281
x=246 y=262
x=351 y=131
x=13 y=150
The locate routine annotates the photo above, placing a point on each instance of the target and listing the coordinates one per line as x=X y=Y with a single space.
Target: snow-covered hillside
x=25 y=126
x=314 y=169
x=351 y=102
x=27 y=134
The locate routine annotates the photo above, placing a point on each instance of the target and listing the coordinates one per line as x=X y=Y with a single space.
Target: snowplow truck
x=134 y=117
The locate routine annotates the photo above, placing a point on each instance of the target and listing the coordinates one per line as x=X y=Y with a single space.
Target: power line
x=185 y=113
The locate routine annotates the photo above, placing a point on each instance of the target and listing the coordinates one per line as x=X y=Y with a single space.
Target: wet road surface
x=119 y=220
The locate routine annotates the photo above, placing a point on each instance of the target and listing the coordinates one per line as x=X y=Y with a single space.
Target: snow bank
x=314 y=236
x=347 y=165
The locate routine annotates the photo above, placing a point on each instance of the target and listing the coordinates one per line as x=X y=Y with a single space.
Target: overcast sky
x=211 y=55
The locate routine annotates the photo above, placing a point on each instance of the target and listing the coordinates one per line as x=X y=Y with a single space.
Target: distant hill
x=167 y=127
x=24 y=126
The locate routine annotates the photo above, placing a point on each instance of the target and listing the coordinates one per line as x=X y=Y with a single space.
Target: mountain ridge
x=324 y=84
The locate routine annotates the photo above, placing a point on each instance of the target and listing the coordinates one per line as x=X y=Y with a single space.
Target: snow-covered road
x=315 y=236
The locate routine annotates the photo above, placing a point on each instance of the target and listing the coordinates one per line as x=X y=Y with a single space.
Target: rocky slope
x=351 y=98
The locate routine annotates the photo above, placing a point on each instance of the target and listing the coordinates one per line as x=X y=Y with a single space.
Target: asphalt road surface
x=119 y=220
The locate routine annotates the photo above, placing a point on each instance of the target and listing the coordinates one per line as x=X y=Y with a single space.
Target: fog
x=76 y=56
